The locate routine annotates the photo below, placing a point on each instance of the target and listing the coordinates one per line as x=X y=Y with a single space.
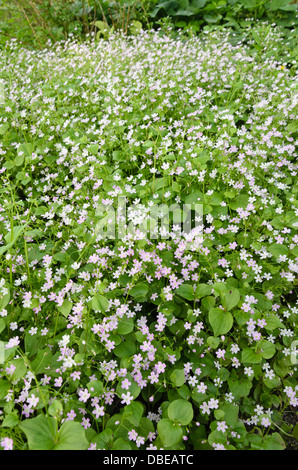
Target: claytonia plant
x=114 y=337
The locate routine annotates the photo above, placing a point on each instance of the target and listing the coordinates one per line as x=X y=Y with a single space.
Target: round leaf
x=180 y=411
x=169 y=432
x=220 y=321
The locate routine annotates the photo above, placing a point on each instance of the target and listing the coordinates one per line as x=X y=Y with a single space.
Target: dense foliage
x=33 y=22
x=178 y=341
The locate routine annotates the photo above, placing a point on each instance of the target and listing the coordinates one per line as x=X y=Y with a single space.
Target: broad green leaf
x=42 y=360
x=133 y=413
x=278 y=250
x=249 y=356
x=4 y=299
x=180 y=411
x=125 y=326
x=185 y=291
x=100 y=303
x=266 y=349
x=41 y=432
x=2 y=324
x=125 y=348
x=19 y=160
x=230 y=298
x=104 y=439
x=12 y=237
x=278 y=4
x=271 y=442
x=4 y=388
x=121 y=444
x=213 y=341
x=145 y=427
x=71 y=437
x=169 y=433
x=33 y=343
x=272 y=383
x=55 y=408
x=95 y=387
x=217 y=437
x=27 y=148
x=65 y=308
x=203 y=290
x=140 y=290
x=231 y=413
x=134 y=389
x=177 y=377
x=239 y=386
x=20 y=368
x=10 y=421
x=220 y=321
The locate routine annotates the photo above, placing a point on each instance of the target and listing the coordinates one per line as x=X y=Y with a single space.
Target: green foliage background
x=34 y=22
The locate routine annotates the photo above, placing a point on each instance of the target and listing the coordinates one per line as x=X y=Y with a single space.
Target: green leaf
x=273 y=322
x=271 y=442
x=11 y=237
x=177 y=377
x=230 y=298
x=203 y=290
x=180 y=411
x=133 y=413
x=272 y=383
x=249 y=356
x=295 y=431
x=220 y=321
x=4 y=299
x=100 y=303
x=126 y=348
x=19 y=160
x=104 y=439
x=2 y=324
x=42 y=360
x=41 y=432
x=278 y=250
x=33 y=343
x=231 y=413
x=140 y=290
x=145 y=427
x=186 y=291
x=95 y=387
x=55 y=408
x=278 y=4
x=65 y=308
x=102 y=26
x=125 y=326
x=217 y=437
x=20 y=368
x=71 y=437
x=4 y=388
x=11 y=420
x=136 y=27
x=169 y=432
x=27 y=148
x=266 y=348
x=134 y=389
x=121 y=444
x=213 y=341
x=239 y=386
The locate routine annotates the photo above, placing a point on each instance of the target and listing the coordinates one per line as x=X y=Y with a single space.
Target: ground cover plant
x=121 y=340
